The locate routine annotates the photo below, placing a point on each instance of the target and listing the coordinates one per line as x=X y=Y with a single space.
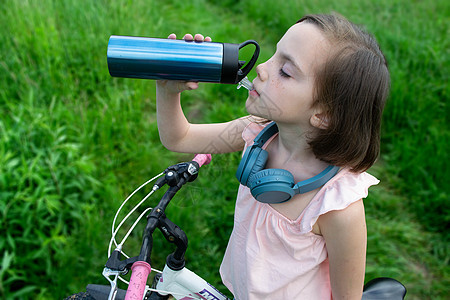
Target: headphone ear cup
x=259 y=164
x=255 y=163
x=272 y=185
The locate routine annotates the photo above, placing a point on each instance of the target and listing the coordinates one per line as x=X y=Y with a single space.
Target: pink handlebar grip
x=202 y=159
x=138 y=280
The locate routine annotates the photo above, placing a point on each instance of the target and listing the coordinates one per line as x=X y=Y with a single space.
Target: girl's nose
x=261 y=71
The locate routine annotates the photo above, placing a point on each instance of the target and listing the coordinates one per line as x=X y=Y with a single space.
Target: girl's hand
x=175 y=86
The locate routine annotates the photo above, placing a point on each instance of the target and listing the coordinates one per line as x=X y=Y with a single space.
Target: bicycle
x=176 y=280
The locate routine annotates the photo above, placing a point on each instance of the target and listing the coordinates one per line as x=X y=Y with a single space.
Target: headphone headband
x=316 y=181
x=265 y=134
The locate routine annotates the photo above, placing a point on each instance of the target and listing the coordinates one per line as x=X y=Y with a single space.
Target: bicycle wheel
x=79 y=296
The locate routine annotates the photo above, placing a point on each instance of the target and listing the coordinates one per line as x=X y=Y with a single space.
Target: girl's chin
x=248 y=106
x=252 y=109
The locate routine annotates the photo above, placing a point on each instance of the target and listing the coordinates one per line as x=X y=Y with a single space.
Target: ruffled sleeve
x=341 y=191
x=251 y=131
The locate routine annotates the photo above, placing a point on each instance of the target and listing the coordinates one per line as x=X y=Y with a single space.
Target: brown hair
x=351 y=87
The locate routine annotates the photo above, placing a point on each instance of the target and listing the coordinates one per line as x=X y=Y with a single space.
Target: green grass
x=74 y=142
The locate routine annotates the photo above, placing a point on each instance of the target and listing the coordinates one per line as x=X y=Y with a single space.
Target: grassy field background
x=74 y=142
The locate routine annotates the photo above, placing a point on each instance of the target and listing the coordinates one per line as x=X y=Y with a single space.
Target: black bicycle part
x=81 y=296
x=156 y=295
x=175 y=177
x=114 y=262
x=187 y=171
x=174 y=235
x=384 y=288
x=101 y=292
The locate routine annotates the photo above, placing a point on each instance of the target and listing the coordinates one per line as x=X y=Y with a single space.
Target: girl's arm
x=345 y=235
x=179 y=135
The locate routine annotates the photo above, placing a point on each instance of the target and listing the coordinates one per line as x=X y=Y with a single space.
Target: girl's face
x=285 y=83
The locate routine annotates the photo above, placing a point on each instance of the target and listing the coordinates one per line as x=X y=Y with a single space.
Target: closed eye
x=284 y=74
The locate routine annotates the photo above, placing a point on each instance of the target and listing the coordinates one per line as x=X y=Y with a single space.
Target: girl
x=325 y=89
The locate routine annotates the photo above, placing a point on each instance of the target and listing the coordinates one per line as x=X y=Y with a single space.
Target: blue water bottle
x=154 y=58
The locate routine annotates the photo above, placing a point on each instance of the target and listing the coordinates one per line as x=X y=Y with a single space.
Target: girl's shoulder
x=344 y=189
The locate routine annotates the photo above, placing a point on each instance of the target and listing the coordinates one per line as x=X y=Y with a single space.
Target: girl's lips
x=254 y=93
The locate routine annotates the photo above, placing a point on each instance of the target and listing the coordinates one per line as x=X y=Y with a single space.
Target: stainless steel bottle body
x=153 y=58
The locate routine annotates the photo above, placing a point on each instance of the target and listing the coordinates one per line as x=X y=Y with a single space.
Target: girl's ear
x=319 y=120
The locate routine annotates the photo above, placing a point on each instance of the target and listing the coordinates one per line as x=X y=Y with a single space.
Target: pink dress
x=272 y=257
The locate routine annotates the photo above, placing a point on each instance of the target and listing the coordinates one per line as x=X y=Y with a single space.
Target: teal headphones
x=274 y=185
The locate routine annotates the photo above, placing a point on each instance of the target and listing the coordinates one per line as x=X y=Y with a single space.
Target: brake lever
x=108 y=273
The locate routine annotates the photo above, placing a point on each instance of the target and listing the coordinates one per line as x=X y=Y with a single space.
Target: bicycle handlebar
x=138 y=280
x=202 y=159
x=141 y=268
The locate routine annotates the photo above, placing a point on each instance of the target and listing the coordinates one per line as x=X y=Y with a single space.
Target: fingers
x=175 y=86
x=191 y=85
x=188 y=37
x=200 y=38
x=180 y=86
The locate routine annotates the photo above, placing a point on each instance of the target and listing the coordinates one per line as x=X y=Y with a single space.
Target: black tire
x=79 y=296
x=97 y=292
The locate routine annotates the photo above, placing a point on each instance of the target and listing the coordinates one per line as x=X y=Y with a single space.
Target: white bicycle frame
x=185 y=284
x=182 y=284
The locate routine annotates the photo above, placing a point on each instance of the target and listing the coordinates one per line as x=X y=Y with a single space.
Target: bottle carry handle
x=246 y=69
